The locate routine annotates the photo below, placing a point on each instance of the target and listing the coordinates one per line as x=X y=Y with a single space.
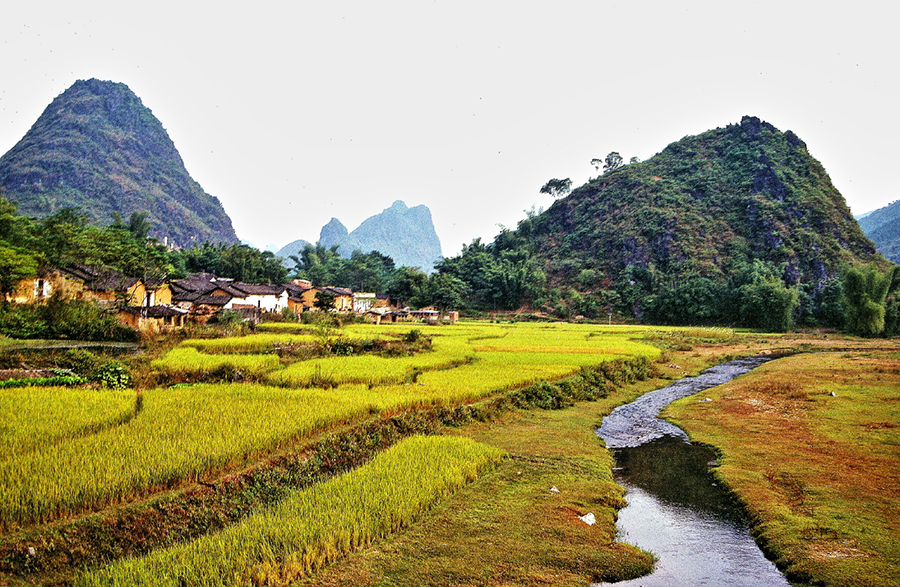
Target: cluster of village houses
x=157 y=305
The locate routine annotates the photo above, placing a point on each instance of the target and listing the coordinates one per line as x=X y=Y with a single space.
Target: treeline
x=507 y=275
x=375 y=272
x=67 y=237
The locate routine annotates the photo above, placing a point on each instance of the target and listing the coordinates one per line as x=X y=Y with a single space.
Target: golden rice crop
x=317 y=525
x=185 y=433
x=31 y=417
x=252 y=343
x=181 y=433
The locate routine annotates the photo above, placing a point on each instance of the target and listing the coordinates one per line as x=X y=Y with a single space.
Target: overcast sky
x=293 y=112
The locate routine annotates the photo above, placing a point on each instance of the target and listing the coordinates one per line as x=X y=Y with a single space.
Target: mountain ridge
x=98 y=148
x=405 y=234
x=882 y=226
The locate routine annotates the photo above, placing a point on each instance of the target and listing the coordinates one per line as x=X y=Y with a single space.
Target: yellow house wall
x=162 y=295
x=135 y=295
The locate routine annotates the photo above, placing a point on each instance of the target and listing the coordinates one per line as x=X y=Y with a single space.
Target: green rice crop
x=39 y=416
x=252 y=343
x=190 y=360
x=317 y=525
x=372 y=369
x=55 y=380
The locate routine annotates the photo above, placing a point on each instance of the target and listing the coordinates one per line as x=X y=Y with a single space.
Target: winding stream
x=675 y=508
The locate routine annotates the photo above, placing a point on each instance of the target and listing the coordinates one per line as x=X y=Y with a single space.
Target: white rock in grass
x=588 y=519
x=554 y=489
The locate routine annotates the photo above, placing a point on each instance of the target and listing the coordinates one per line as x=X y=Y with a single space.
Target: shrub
x=113 y=375
x=82 y=362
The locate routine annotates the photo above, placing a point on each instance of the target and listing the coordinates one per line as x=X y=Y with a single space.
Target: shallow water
x=675 y=508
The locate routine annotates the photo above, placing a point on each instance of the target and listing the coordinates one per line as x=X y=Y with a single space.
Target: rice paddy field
x=188 y=431
x=91 y=462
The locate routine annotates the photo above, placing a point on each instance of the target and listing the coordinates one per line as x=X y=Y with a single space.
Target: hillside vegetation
x=883 y=227
x=737 y=225
x=98 y=148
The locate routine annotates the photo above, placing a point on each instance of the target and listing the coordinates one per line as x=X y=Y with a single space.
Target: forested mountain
x=736 y=225
x=404 y=234
x=98 y=148
x=883 y=227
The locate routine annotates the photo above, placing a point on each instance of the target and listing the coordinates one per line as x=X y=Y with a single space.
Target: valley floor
x=826 y=513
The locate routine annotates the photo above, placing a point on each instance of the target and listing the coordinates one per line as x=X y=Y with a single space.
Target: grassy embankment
x=811 y=443
x=510 y=528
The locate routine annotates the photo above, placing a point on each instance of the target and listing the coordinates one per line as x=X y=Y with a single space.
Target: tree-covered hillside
x=96 y=147
x=883 y=227
x=737 y=225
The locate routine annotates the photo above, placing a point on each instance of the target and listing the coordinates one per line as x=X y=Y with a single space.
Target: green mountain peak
x=98 y=148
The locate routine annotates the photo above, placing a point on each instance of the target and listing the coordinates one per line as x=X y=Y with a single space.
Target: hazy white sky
x=293 y=112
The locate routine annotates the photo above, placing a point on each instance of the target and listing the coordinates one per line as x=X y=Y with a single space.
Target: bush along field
x=228 y=429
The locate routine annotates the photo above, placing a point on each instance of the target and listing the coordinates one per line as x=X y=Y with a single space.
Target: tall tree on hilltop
x=557 y=188
x=612 y=162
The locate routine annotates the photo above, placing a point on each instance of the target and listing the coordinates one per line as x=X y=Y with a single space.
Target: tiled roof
x=192 y=284
x=185 y=296
x=213 y=300
x=97 y=278
x=258 y=289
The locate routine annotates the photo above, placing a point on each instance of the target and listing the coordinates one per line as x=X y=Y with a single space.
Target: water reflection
x=695 y=528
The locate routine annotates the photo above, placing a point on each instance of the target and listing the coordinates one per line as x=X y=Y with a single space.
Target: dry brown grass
x=810 y=443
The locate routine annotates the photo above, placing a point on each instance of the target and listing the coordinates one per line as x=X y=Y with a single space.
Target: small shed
x=160 y=318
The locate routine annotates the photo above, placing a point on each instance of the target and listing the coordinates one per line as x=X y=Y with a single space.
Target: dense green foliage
x=325 y=266
x=63 y=318
x=733 y=226
x=872 y=300
x=239 y=262
x=99 y=149
x=66 y=237
x=500 y=276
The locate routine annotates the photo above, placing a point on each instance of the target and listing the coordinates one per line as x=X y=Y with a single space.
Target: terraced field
x=96 y=448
